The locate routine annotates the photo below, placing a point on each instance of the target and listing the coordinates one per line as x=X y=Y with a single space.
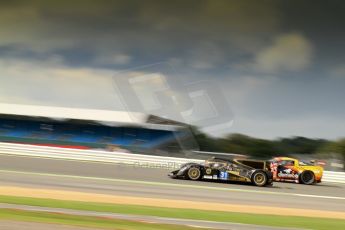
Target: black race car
x=252 y=171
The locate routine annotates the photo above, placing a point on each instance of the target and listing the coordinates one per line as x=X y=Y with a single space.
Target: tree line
x=263 y=148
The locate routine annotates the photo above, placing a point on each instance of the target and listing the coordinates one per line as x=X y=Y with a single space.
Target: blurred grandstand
x=85 y=128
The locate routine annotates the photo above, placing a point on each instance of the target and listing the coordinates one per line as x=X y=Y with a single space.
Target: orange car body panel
x=292 y=172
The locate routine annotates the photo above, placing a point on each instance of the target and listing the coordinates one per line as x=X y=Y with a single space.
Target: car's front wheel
x=259 y=178
x=307 y=177
x=194 y=173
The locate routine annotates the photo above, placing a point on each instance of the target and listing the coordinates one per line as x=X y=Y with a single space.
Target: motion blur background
x=99 y=100
x=279 y=65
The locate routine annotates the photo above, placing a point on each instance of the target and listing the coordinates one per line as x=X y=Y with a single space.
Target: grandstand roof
x=104 y=117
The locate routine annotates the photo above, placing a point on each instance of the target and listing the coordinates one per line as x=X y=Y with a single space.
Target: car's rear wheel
x=194 y=173
x=259 y=178
x=307 y=177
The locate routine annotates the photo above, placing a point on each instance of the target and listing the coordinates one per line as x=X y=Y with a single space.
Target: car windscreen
x=303 y=163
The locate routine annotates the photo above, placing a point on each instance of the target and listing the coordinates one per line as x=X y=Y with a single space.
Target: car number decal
x=223 y=175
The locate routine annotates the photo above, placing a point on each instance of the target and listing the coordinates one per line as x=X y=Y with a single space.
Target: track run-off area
x=148 y=186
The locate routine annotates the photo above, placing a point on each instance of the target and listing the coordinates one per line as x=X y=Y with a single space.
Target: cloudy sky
x=263 y=68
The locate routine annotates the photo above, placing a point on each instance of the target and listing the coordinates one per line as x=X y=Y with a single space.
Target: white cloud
x=308 y=126
x=338 y=72
x=289 y=52
x=52 y=83
x=205 y=56
x=115 y=59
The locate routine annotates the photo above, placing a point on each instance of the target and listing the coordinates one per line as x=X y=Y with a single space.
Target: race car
x=293 y=170
x=218 y=169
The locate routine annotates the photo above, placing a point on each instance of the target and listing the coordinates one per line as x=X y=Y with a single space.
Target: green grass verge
x=258 y=219
x=82 y=221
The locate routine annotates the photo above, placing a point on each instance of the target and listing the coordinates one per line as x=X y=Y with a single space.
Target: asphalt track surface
x=154 y=183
